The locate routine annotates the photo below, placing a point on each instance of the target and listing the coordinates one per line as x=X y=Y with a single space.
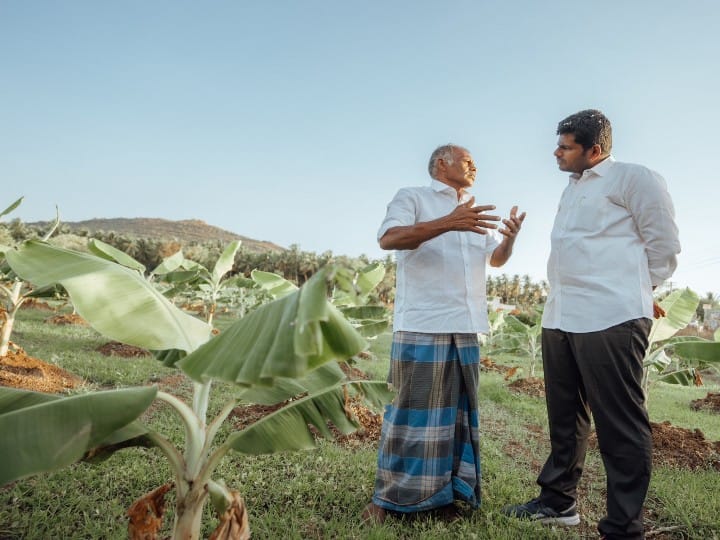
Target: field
x=320 y=494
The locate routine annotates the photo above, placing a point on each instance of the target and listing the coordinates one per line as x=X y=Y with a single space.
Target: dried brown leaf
x=234 y=523
x=146 y=514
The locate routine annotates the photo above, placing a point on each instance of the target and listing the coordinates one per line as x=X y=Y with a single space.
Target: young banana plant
x=286 y=349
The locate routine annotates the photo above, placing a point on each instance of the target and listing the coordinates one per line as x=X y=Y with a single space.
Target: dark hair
x=590 y=127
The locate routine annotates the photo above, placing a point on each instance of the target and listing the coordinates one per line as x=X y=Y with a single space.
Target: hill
x=184 y=231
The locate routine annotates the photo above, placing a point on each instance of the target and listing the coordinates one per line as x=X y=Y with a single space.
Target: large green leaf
x=169 y=264
x=684 y=377
x=285 y=338
x=371 y=329
x=42 y=433
x=106 y=251
x=370 y=277
x=274 y=284
x=698 y=352
x=680 y=308
x=115 y=300
x=226 y=261
x=365 y=312
x=283 y=389
x=287 y=428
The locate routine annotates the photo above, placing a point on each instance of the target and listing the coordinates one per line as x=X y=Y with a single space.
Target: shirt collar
x=601 y=169
x=441 y=187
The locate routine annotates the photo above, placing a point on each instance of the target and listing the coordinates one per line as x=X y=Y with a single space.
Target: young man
x=614 y=241
x=428 y=454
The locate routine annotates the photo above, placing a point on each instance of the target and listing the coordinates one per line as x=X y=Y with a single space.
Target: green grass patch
x=320 y=494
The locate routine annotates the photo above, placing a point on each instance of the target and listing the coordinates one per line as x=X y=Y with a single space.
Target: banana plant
x=14 y=290
x=351 y=295
x=288 y=348
x=678 y=359
x=202 y=283
x=515 y=336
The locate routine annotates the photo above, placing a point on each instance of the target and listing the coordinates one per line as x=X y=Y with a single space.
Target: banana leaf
x=698 y=353
x=110 y=253
x=169 y=264
x=274 y=284
x=226 y=261
x=287 y=428
x=283 y=389
x=680 y=308
x=285 y=338
x=43 y=433
x=683 y=377
x=370 y=277
x=365 y=312
x=117 y=301
x=12 y=207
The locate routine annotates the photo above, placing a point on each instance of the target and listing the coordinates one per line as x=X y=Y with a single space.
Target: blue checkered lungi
x=429 y=451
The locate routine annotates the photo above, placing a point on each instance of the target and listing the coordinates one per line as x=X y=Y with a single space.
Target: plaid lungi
x=429 y=451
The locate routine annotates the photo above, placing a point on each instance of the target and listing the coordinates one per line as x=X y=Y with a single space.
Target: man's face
x=459 y=174
x=571 y=156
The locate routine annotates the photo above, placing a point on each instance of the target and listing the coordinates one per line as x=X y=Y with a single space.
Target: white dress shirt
x=440 y=285
x=614 y=238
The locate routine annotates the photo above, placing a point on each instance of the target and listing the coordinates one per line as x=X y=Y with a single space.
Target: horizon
x=296 y=123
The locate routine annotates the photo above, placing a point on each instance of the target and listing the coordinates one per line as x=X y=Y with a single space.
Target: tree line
x=293 y=263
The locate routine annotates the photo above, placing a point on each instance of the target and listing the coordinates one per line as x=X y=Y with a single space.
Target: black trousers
x=599 y=372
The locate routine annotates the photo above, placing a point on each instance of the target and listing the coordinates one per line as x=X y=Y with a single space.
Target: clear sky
x=297 y=121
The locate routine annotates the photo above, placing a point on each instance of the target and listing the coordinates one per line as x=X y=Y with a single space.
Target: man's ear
x=596 y=152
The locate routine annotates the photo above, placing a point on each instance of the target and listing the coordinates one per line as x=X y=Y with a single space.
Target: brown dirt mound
x=685 y=448
x=18 y=370
x=115 y=348
x=32 y=303
x=532 y=386
x=678 y=447
x=711 y=403
x=67 y=318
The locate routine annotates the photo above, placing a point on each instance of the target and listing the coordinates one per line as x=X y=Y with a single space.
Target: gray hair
x=446 y=152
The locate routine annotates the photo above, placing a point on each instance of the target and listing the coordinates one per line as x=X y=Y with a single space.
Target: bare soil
x=115 y=348
x=66 y=319
x=531 y=386
x=18 y=370
x=34 y=303
x=711 y=403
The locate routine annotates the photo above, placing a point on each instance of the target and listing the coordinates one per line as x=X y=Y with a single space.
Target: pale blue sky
x=297 y=121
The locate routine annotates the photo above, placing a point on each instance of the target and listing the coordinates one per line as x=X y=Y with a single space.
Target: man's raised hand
x=513 y=224
x=467 y=217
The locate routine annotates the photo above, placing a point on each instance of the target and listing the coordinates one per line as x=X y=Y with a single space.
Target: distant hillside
x=185 y=231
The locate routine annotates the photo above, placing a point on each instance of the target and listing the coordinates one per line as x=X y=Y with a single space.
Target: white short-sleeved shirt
x=440 y=285
x=614 y=238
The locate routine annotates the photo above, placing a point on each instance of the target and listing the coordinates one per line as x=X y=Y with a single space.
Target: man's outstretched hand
x=513 y=224
x=467 y=217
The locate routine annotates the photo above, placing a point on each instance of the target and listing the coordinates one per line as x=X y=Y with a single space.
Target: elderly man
x=428 y=454
x=614 y=240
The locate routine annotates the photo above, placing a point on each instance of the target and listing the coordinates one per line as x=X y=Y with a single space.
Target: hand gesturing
x=513 y=224
x=467 y=217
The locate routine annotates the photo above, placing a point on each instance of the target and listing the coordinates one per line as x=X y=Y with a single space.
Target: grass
x=320 y=494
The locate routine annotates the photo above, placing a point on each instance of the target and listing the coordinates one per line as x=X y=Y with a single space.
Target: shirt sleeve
x=400 y=212
x=652 y=209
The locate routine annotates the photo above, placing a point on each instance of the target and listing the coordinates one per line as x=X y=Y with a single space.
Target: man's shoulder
x=414 y=192
x=633 y=169
x=416 y=189
x=637 y=178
